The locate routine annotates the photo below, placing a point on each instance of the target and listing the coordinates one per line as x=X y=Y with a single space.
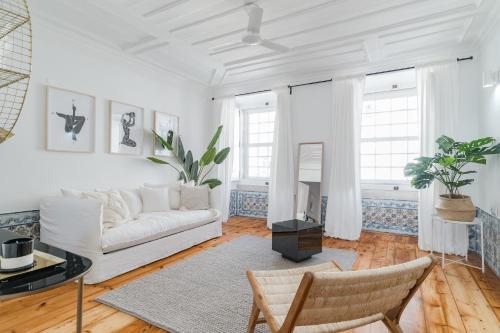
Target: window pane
x=412 y=116
x=383 y=173
x=382 y=131
x=383 y=160
x=386 y=147
x=412 y=130
x=399 y=117
x=412 y=102
x=382 y=105
x=398 y=160
x=383 y=147
x=368 y=132
x=367 y=161
x=414 y=146
x=399 y=130
x=383 y=118
x=397 y=173
x=368 y=173
x=398 y=103
x=399 y=147
x=368 y=119
x=368 y=106
x=368 y=148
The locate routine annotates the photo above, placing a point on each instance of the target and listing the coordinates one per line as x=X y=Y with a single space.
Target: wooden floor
x=458 y=299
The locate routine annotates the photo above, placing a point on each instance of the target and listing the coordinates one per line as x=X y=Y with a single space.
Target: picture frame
x=126 y=128
x=164 y=122
x=70 y=121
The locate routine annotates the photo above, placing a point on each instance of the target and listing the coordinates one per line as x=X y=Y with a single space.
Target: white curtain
x=281 y=187
x=438 y=98
x=343 y=213
x=226 y=107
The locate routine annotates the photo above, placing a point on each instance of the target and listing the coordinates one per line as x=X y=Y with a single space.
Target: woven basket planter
x=456 y=209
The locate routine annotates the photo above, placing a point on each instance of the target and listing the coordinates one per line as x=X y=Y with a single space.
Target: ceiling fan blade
x=273 y=46
x=254 y=18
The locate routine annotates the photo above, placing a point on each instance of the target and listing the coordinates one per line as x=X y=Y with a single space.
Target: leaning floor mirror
x=309 y=182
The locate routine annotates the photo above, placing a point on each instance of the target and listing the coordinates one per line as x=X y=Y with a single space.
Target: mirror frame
x=322 y=175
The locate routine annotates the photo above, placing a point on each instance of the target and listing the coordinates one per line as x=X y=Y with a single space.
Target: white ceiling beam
x=163 y=8
x=374 y=49
x=356 y=45
x=233 y=9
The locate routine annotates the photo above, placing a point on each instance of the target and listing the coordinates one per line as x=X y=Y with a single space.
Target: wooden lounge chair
x=325 y=299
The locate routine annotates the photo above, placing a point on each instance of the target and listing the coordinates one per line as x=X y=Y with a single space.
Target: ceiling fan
x=252 y=35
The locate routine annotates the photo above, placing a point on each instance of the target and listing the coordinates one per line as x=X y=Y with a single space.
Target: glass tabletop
x=37 y=281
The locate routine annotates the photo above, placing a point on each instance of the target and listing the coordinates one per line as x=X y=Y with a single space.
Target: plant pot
x=456 y=209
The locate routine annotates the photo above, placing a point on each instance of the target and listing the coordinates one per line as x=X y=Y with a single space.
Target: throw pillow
x=195 y=197
x=69 y=192
x=155 y=199
x=174 y=193
x=133 y=199
x=115 y=209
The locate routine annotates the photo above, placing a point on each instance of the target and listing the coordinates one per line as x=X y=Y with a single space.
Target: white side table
x=462 y=261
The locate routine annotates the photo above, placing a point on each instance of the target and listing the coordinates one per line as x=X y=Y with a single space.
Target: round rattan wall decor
x=15 y=62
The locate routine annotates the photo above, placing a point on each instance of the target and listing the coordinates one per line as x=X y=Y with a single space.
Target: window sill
x=250 y=186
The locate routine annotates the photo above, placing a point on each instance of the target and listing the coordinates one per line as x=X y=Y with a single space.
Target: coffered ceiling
x=202 y=38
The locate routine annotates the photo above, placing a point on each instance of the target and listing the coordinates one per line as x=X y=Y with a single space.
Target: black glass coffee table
x=73 y=269
x=297 y=240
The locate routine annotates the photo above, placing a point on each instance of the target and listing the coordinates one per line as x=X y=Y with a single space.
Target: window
x=256 y=127
x=389 y=136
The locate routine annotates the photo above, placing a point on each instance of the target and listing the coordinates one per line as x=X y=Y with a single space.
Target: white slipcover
x=75 y=225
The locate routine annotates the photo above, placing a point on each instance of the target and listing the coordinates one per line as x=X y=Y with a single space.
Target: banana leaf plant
x=191 y=170
x=448 y=165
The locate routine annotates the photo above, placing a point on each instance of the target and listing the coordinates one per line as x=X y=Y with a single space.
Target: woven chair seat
x=279 y=288
x=323 y=299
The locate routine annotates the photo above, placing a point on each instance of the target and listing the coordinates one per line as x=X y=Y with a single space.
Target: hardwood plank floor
x=456 y=299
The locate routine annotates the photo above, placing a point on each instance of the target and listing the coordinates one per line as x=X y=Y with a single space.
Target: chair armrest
x=72 y=224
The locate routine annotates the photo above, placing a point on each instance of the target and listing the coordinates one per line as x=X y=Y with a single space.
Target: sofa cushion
x=155 y=199
x=115 y=211
x=151 y=226
x=174 y=193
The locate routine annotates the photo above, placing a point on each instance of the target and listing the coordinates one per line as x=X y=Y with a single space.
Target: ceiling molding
x=164 y=8
x=92 y=42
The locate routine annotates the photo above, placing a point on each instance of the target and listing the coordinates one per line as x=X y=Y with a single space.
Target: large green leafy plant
x=191 y=170
x=448 y=165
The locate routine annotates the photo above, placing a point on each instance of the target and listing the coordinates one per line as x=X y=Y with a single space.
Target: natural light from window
x=389 y=136
x=253 y=144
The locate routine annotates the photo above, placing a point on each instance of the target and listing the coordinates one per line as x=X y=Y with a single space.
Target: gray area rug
x=209 y=292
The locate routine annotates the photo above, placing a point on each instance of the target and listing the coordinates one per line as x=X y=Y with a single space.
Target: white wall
x=311 y=108
x=29 y=172
x=489 y=111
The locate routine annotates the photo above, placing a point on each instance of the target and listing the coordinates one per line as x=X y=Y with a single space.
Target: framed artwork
x=164 y=122
x=70 y=121
x=126 y=128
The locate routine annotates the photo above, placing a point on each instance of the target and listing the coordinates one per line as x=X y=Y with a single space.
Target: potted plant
x=448 y=166
x=190 y=170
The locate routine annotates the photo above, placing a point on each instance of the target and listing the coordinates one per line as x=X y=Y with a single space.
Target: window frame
x=389 y=184
x=245 y=145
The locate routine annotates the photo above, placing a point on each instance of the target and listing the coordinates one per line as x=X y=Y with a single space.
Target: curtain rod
x=330 y=80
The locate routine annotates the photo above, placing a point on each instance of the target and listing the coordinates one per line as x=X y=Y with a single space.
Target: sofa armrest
x=72 y=224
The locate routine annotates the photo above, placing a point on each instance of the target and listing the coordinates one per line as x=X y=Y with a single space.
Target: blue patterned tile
x=491 y=226
x=253 y=204
x=233 y=204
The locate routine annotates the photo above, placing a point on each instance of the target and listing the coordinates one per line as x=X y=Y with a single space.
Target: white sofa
x=76 y=225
